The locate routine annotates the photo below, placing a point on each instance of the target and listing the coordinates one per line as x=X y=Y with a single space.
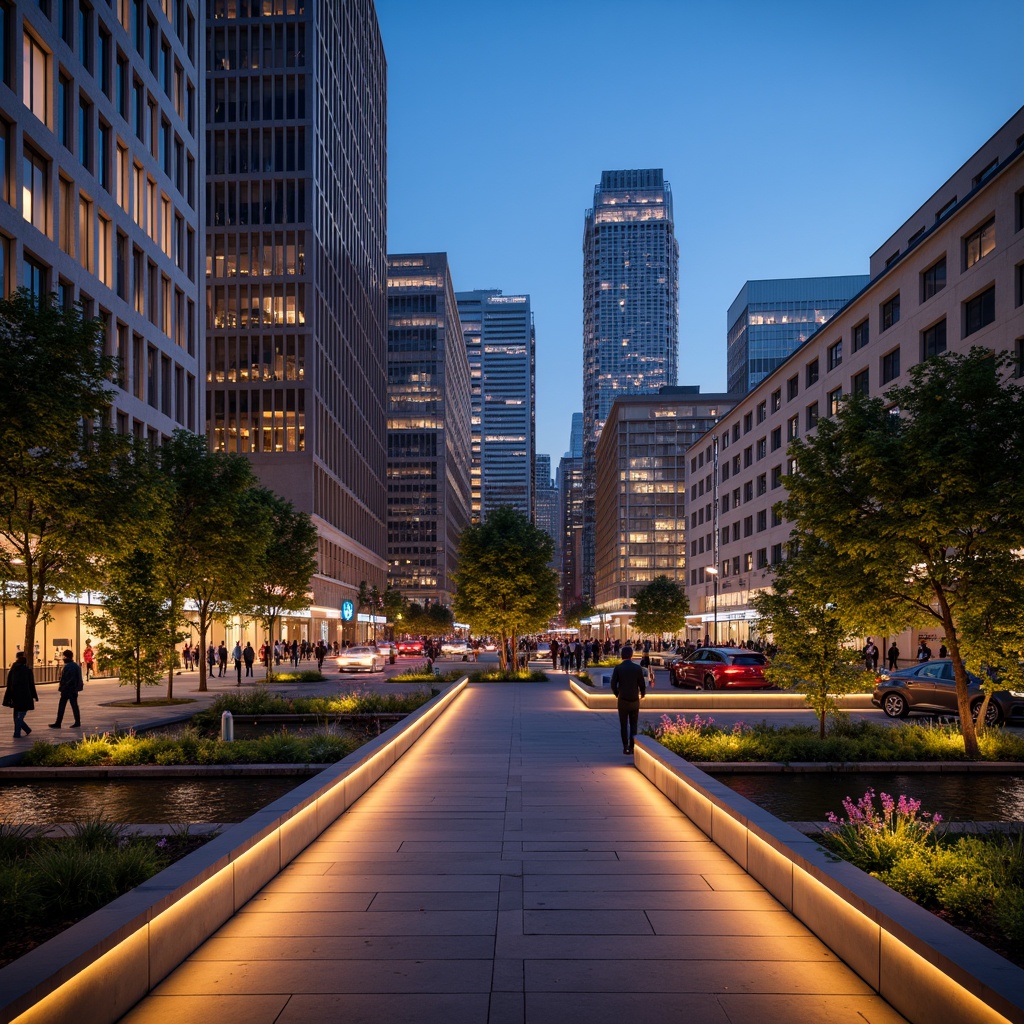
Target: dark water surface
x=809 y=796
x=141 y=801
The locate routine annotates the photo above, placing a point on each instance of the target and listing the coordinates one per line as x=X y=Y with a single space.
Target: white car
x=356 y=659
x=455 y=648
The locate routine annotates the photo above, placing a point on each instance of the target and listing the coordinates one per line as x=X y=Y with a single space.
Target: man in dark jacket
x=70 y=684
x=628 y=686
x=21 y=693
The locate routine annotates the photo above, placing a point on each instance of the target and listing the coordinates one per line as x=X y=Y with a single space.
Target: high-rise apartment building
x=102 y=204
x=296 y=271
x=428 y=428
x=576 y=437
x=500 y=342
x=769 y=320
x=570 y=493
x=641 y=463
x=630 y=310
x=548 y=517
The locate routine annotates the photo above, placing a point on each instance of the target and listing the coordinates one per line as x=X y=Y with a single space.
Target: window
x=1018 y=273
x=35 y=182
x=36 y=277
x=946 y=210
x=103 y=156
x=832 y=399
x=860 y=336
x=890 y=365
x=776 y=399
x=762 y=484
x=1018 y=352
x=105 y=256
x=5 y=55
x=103 y=63
x=776 y=477
x=35 y=77
x=85 y=36
x=85 y=242
x=762 y=520
x=979 y=311
x=66 y=216
x=776 y=439
x=979 y=243
x=5 y=255
x=121 y=84
x=812 y=415
x=748 y=456
x=812 y=372
x=1019 y=211
x=890 y=312
x=64 y=112
x=835 y=355
x=933 y=340
x=762 y=448
x=792 y=428
x=748 y=423
x=6 y=189
x=792 y=387
x=736 y=431
x=85 y=133
x=859 y=383
x=762 y=412
x=933 y=279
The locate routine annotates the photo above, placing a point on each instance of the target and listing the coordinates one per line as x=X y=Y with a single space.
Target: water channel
x=957 y=796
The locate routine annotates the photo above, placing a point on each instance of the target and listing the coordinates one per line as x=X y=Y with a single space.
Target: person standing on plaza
x=211 y=657
x=222 y=658
x=70 y=684
x=248 y=656
x=554 y=653
x=629 y=687
x=87 y=658
x=236 y=657
x=894 y=656
x=20 y=695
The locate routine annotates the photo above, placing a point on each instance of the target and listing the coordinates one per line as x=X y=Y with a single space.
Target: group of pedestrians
x=20 y=694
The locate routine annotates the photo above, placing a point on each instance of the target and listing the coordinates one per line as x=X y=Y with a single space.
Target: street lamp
x=712 y=570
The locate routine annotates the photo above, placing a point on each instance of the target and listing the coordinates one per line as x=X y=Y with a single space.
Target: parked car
x=410 y=646
x=360 y=659
x=388 y=649
x=930 y=688
x=720 y=668
x=455 y=648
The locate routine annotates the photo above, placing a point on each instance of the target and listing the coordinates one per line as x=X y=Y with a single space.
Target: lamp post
x=712 y=570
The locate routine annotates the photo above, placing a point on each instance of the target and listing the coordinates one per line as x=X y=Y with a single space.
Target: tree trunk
x=963 y=703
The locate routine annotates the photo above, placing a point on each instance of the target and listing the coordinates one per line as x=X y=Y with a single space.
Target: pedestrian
x=554 y=653
x=70 y=684
x=87 y=658
x=222 y=658
x=320 y=651
x=20 y=695
x=943 y=653
x=924 y=652
x=628 y=686
x=248 y=656
x=277 y=652
x=295 y=653
x=894 y=656
x=211 y=657
x=866 y=654
x=236 y=656
x=186 y=657
x=648 y=668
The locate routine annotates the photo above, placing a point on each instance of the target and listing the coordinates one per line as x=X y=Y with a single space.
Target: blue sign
x=348 y=609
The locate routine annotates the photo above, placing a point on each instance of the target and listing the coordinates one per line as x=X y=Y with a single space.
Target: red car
x=720 y=668
x=409 y=646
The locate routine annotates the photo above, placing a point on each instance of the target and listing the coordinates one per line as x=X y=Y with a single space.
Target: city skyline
x=794 y=162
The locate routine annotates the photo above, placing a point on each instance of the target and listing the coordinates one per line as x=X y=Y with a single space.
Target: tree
x=924 y=492
x=504 y=587
x=135 y=623
x=61 y=470
x=282 y=574
x=576 y=613
x=814 y=627
x=661 y=607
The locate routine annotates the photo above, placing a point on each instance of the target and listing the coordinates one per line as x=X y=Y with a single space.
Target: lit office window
x=35 y=78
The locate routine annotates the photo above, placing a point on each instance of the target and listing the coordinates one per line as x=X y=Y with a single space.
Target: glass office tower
x=428 y=428
x=630 y=310
x=769 y=320
x=296 y=271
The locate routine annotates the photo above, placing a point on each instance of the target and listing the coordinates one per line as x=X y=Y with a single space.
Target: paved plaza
x=513 y=867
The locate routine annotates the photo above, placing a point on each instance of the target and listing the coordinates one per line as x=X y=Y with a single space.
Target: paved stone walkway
x=513 y=867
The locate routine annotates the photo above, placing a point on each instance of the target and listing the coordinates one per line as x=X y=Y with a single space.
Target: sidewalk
x=513 y=867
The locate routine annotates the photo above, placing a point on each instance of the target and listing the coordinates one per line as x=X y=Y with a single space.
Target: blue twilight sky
x=796 y=137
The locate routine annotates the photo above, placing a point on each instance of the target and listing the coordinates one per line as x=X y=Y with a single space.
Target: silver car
x=360 y=659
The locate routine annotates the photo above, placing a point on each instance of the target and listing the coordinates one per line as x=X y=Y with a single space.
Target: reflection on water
x=141 y=801
x=809 y=796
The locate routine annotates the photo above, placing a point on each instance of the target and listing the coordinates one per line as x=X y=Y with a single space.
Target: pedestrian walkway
x=513 y=867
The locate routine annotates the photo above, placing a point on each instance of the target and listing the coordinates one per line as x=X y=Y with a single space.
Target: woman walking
x=21 y=694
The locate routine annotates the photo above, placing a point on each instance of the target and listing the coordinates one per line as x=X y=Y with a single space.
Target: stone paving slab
x=513 y=868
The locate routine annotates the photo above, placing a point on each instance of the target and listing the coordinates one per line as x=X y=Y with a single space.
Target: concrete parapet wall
x=94 y=972
x=673 y=699
x=925 y=968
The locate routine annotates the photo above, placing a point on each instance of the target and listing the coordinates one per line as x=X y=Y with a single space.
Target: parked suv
x=720 y=668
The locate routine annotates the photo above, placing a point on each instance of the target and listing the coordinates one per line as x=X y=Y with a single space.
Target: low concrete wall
x=672 y=699
x=98 y=969
x=927 y=969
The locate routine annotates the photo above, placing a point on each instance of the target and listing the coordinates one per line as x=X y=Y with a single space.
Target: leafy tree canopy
x=661 y=607
x=576 y=613
x=924 y=493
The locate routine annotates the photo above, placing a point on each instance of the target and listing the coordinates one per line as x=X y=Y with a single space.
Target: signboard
x=348 y=609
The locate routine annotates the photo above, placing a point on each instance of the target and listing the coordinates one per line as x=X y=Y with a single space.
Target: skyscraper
x=296 y=271
x=428 y=428
x=769 y=320
x=500 y=342
x=548 y=516
x=630 y=310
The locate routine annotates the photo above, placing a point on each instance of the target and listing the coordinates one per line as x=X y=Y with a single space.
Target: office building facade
x=548 y=512
x=769 y=320
x=102 y=205
x=641 y=463
x=501 y=345
x=570 y=494
x=429 y=407
x=296 y=272
x=949 y=278
x=630 y=310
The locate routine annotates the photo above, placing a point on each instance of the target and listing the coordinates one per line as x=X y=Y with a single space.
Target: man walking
x=236 y=656
x=628 y=686
x=70 y=684
x=248 y=656
x=222 y=658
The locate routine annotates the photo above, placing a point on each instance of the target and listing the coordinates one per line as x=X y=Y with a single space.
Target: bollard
x=227 y=727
